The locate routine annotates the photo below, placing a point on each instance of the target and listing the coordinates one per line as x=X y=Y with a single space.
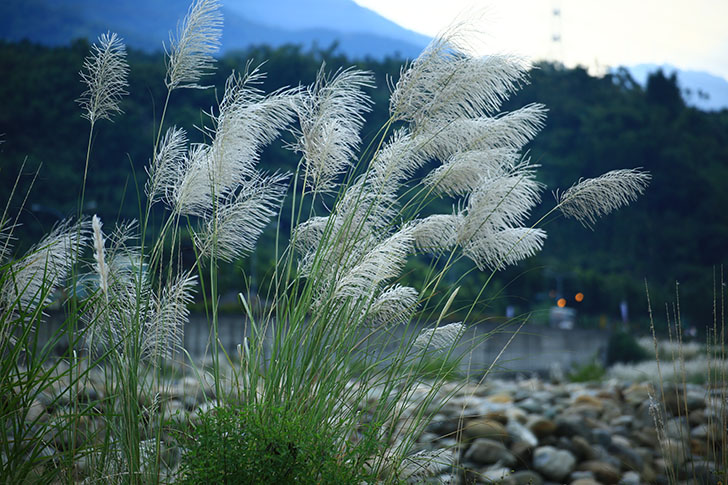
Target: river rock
x=604 y=472
x=571 y=425
x=541 y=426
x=585 y=481
x=553 y=463
x=519 y=432
x=526 y=477
x=486 y=451
x=630 y=478
x=484 y=428
x=582 y=448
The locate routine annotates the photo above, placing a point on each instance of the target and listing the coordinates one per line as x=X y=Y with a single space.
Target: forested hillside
x=677 y=232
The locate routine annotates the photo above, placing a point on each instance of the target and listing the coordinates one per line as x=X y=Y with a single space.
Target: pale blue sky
x=689 y=34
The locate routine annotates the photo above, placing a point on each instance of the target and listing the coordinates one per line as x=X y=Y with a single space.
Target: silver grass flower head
x=330 y=118
x=443 y=139
x=191 y=52
x=164 y=172
x=44 y=268
x=438 y=232
x=396 y=161
x=440 y=338
x=393 y=306
x=105 y=73
x=446 y=83
x=461 y=174
x=590 y=199
x=163 y=333
x=381 y=263
x=241 y=218
x=498 y=249
x=499 y=203
x=108 y=319
x=247 y=121
x=102 y=270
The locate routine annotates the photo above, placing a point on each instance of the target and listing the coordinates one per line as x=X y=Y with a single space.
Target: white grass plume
x=396 y=161
x=590 y=199
x=44 y=268
x=440 y=338
x=164 y=172
x=240 y=219
x=512 y=130
x=505 y=247
x=383 y=262
x=438 y=232
x=247 y=121
x=330 y=118
x=190 y=53
x=100 y=255
x=445 y=83
x=499 y=203
x=105 y=73
x=163 y=333
x=392 y=306
x=463 y=172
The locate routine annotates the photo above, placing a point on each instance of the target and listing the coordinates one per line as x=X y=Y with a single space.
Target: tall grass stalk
x=342 y=355
x=680 y=452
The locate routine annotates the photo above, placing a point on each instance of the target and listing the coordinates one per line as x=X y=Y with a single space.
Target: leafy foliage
x=237 y=445
x=623 y=347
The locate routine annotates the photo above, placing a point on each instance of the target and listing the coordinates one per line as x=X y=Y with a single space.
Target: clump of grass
x=675 y=374
x=238 y=444
x=592 y=371
x=297 y=405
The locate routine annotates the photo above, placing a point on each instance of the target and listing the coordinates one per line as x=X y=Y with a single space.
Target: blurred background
x=627 y=85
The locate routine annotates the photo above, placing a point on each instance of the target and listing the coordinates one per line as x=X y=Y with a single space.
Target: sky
x=598 y=34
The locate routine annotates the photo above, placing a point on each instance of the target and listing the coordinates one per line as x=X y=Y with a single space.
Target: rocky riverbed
x=515 y=432
x=535 y=432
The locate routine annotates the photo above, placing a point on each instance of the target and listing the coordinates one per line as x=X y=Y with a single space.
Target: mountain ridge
x=145 y=24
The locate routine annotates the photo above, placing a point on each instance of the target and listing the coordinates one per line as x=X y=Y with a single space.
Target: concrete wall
x=534 y=348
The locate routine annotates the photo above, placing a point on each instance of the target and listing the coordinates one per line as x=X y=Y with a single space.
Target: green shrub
x=593 y=371
x=623 y=347
x=241 y=445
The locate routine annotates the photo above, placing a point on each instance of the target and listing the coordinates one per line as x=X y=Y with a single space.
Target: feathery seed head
x=163 y=333
x=105 y=73
x=190 y=54
x=438 y=232
x=247 y=122
x=330 y=117
x=44 y=268
x=498 y=203
x=497 y=249
x=100 y=255
x=463 y=172
x=590 y=199
x=446 y=83
x=393 y=306
x=241 y=218
x=440 y=338
x=441 y=140
x=164 y=172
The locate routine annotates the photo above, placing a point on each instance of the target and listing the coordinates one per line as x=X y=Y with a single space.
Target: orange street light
x=579 y=297
x=561 y=303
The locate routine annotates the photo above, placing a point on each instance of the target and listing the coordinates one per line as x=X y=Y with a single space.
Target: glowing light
x=579 y=297
x=561 y=303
